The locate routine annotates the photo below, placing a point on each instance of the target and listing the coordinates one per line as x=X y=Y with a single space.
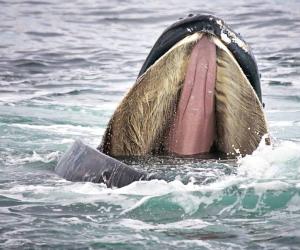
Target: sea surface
x=65 y=66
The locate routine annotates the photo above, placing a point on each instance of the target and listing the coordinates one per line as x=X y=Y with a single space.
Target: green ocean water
x=65 y=66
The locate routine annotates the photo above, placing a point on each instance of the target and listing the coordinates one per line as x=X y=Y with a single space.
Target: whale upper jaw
x=215 y=26
x=193 y=129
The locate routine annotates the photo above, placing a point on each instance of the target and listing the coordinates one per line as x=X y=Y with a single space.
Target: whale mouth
x=194 y=99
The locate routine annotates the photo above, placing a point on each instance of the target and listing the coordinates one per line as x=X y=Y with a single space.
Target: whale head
x=197 y=92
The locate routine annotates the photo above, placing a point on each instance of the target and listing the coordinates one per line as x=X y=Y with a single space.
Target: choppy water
x=64 y=68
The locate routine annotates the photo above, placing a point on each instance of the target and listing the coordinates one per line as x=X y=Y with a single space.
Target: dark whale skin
x=81 y=163
x=212 y=25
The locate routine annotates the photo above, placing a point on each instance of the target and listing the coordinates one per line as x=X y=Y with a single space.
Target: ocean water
x=65 y=66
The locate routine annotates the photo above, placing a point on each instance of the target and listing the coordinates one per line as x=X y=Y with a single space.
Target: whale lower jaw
x=194 y=127
x=141 y=124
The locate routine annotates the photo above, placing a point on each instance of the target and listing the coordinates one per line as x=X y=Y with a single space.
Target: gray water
x=65 y=66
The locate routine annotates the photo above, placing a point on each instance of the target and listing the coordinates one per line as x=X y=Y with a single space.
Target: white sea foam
x=183 y=224
x=272 y=162
x=155 y=187
x=34 y=157
x=261 y=187
x=181 y=194
x=65 y=193
x=53 y=156
x=88 y=188
x=189 y=203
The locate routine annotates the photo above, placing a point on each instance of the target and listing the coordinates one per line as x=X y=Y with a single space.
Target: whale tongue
x=193 y=129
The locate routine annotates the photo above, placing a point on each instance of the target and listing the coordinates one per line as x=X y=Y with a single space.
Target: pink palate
x=193 y=130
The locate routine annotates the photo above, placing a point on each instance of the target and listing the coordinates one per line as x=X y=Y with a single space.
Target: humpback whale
x=197 y=92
